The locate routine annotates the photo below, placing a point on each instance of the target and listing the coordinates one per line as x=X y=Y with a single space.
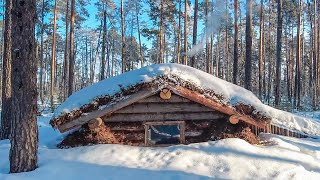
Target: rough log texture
x=133 y=133
x=106 y=111
x=162 y=81
x=164 y=108
x=6 y=114
x=199 y=98
x=163 y=117
x=156 y=99
x=24 y=134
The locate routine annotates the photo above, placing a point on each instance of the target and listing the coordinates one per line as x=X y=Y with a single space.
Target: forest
x=51 y=49
x=269 y=47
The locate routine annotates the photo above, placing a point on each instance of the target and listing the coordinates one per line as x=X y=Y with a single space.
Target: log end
x=234 y=119
x=94 y=123
x=165 y=94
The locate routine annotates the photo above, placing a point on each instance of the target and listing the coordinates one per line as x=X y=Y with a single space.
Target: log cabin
x=159 y=105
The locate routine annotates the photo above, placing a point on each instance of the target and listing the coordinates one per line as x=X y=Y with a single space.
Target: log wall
x=156 y=109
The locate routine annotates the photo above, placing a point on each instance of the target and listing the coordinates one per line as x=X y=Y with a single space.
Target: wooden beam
x=108 y=110
x=163 y=117
x=156 y=99
x=164 y=123
x=164 y=108
x=200 y=98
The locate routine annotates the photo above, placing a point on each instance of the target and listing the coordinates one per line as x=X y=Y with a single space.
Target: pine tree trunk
x=161 y=33
x=235 y=52
x=53 y=53
x=261 y=49
x=71 y=53
x=179 y=35
x=65 y=62
x=185 y=55
x=315 y=56
x=298 y=58
x=123 y=56
x=139 y=35
x=41 y=53
x=218 y=55
x=195 y=26
x=207 y=36
x=103 y=46
x=6 y=114
x=227 y=44
x=24 y=136
x=248 y=65
x=278 y=64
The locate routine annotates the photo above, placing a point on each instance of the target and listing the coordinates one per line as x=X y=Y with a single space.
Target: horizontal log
x=163 y=117
x=127 y=129
x=165 y=123
x=107 y=110
x=164 y=108
x=156 y=99
x=201 y=99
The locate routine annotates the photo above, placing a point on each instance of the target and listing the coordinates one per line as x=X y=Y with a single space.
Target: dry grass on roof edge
x=160 y=81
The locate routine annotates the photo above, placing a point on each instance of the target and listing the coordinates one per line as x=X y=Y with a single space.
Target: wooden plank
x=163 y=117
x=199 y=98
x=164 y=123
x=107 y=110
x=182 y=133
x=146 y=135
x=164 y=108
x=156 y=99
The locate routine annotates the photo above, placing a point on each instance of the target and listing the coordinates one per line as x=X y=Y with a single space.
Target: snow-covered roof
x=230 y=94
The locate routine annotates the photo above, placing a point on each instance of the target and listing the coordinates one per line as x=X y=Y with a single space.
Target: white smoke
x=215 y=20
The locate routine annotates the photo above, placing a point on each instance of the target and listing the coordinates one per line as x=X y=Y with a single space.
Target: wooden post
x=146 y=135
x=182 y=133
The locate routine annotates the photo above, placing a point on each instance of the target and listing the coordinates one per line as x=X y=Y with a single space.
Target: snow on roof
x=232 y=94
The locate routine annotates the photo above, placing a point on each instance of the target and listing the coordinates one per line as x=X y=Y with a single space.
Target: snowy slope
x=232 y=94
x=280 y=158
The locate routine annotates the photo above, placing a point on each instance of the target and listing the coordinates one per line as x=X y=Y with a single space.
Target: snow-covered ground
x=279 y=158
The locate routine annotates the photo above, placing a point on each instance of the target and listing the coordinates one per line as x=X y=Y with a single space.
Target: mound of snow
x=231 y=93
x=280 y=158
